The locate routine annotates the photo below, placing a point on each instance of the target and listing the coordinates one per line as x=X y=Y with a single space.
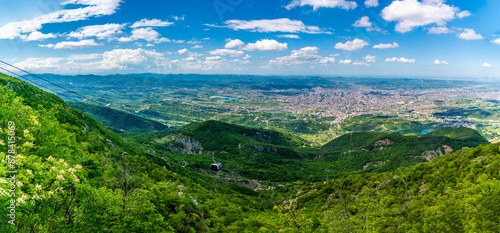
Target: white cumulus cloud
x=214 y=58
x=330 y=59
x=370 y=59
x=301 y=56
x=386 y=46
x=487 y=65
x=343 y=4
x=131 y=58
x=266 y=45
x=306 y=55
x=463 y=14
x=147 y=34
x=360 y=63
x=109 y=60
x=227 y=52
x=72 y=44
x=120 y=57
x=36 y=35
x=351 y=45
x=412 y=13
x=151 y=23
x=182 y=51
x=234 y=44
x=345 y=62
x=289 y=36
x=241 y=61
x=365 y=62
x=438 y=62
x=371 y=3
x=190 y=59
x=470 y=34
x=52 y=63
x=93 y=8
x=400 y=60
x=106 y=31
x=271 y=25
x=496 y=41
x=363 y=22
x=439 y=30
x=178 y=18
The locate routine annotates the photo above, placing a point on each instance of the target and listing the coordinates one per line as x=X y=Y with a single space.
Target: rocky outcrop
x=379 y=145
x=185 y=145
x=432 y=154
x=354 y=151
x=447 y=149
x=384 y=142
x=374 y=164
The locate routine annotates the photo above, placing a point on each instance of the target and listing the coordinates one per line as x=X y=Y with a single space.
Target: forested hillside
x=278 y=156
x=117 y=120
x=457 y=192
x=75 y=175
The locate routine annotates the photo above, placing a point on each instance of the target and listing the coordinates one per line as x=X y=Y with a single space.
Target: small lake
x=425 y=132
x=226 y=98
x=457 y=97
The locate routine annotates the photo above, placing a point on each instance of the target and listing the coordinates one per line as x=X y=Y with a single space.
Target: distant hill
x=119 y=121
x=250 y=152
x=453 y=193
x=385 y=152
x=278 y=156
x=454 y=137
x=217 y=135
x=461 y=133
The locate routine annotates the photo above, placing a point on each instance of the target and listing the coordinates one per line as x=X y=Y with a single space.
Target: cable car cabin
x=216 y=167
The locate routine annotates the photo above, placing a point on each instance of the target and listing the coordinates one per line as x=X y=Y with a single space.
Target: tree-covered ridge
x=453 y=137
x=269 y=155
x=74 y=175
x=457 y=192
x=459 y=133
x=216 y=135
x=119 y=121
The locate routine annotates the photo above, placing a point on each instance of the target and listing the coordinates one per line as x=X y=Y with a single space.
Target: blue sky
x=403 y=38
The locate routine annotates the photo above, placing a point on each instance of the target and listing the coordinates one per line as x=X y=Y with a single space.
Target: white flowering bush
x=44 y=183
x=66 y=179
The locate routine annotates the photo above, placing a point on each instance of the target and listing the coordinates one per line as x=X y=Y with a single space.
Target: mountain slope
x=456 y=137
x=367 y=151
x=457 y=192
x=75 y=175
x=216 y=135
x=280 y=157
x=117 y=120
